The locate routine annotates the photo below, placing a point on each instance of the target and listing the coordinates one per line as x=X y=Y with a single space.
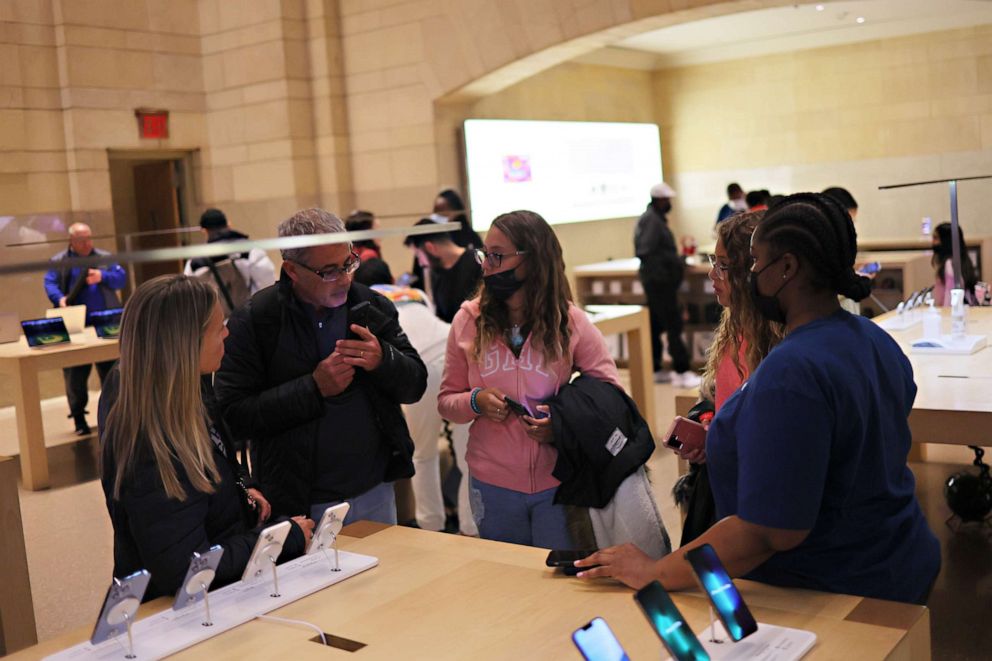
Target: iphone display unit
x=668 y=623
x=721 y=591
x=597 y=642
x=328 y=527
x=120 y=605
x=266 y=551
x=199 y=576
x=685 y=434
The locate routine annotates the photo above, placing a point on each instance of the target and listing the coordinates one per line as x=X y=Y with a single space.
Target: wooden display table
x=23 y=363
x=633 y=322
x=902 y=272
x=437 y=596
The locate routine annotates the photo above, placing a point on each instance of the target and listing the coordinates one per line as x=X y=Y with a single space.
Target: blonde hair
x=740 y=322
x=159 y=407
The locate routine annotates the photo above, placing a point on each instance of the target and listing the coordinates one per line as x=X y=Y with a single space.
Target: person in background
x=808 y=461
x=521 y=338
x=661 y=273
x=742 y=340
x=255 y=267
x=429 y=335
x=757 y=200
x=374 y=268
x=314 y=373
x=735 y=203
x=453 y=272
x=845 y=199
x=449 y=204
x=170 y=477
x=943 y=263
x=97 y=289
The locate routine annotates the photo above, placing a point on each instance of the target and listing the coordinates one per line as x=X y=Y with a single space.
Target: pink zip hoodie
x=501 y=453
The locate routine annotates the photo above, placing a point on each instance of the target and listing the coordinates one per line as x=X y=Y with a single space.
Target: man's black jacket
x=266 y=389
x=601 y=439
x=159 y=534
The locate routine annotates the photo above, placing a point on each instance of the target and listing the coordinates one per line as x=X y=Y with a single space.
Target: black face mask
x=663 y=206
x=768 y=306
x=502 y=285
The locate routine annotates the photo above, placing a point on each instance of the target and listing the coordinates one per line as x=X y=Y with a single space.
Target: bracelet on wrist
x=473 y=401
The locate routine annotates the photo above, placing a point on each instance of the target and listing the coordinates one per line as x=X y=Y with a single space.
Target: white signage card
x=768 y=643
x=171 y=631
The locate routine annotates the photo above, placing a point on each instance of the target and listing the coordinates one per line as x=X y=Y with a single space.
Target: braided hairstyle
x=818 y=230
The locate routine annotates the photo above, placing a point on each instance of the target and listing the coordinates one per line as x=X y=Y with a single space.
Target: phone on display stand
x=266 y=551
x=597 y=642
x=685 y=434
x=721 y=591
x=328 y=528
x=668 y=623
x=120 y=606
x=199 y=576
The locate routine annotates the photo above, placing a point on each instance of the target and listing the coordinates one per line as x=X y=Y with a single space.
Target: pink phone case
x=684 y=434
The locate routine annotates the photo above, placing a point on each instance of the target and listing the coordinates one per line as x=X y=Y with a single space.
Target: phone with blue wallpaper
x=597 y=642
x=721 y=591
x=668 y=623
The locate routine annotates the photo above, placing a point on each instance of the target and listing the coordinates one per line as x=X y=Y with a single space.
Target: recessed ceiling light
x=819 y=8
x=860 y=19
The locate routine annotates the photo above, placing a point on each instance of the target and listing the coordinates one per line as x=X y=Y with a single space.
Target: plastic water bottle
x=926 y=227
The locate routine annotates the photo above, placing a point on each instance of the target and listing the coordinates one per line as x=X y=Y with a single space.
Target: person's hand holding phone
x=539 y=428
x=491 y=401
x=625 y=563
x=333 y=375
x=365 y=352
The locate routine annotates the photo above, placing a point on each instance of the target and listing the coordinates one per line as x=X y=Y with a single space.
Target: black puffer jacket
x=158 y=533
x=267 y=392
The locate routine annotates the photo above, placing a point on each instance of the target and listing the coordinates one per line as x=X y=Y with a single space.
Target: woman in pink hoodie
x=517 y=343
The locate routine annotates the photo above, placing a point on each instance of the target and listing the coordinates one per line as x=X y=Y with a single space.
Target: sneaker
x=687 y=379
x=663 y=376
x=82 y=427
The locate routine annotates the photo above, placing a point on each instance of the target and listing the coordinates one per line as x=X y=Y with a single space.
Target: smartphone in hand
x=597 y=642
x=721 y=591
x=684 y=434
x=565 y=560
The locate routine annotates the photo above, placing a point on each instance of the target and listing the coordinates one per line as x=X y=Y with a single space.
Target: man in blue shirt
x=96 y=288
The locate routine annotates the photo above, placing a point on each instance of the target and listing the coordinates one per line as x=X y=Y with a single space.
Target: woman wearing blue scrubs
x=808 y=459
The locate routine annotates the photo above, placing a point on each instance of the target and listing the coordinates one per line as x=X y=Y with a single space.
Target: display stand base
x=768 y=643
x=946 y=344
x=170 y=631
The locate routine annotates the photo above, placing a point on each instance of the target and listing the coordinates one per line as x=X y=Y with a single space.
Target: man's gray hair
x=304 y=223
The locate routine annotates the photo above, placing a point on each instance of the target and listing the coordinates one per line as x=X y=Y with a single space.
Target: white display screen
x=566 y=171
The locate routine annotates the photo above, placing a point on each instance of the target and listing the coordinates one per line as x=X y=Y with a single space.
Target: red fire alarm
x=152 y=124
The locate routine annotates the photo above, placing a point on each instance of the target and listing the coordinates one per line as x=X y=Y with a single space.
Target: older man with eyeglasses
x=314 y=372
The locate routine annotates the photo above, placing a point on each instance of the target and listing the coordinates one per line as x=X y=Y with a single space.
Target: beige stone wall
x=859 y=116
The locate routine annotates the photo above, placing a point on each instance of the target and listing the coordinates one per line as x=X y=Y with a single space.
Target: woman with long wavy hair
x=742 y=340
x=521 y=338
x=170 y=476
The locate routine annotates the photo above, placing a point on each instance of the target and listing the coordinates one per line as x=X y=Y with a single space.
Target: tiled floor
x=69 y=538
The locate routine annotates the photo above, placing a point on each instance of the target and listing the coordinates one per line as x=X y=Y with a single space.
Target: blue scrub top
x=817 y=440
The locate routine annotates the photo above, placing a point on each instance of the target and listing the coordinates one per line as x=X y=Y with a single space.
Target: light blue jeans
x=376 y=504
x=511 y=516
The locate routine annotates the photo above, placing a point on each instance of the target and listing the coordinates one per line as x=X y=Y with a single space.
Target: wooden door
x=157 y=208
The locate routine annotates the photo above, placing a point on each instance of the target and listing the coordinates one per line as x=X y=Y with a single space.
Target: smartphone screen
x=722 y=592
x=669 y=624
x=597 y=642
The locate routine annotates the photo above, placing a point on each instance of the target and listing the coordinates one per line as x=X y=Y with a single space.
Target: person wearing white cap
x=661 y=273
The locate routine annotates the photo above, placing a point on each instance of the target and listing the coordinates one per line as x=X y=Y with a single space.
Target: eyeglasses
x=719 y=270
x=494 y=259
x=335 y=273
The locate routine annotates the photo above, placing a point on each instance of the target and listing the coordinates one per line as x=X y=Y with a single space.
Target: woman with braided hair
x=807 y=460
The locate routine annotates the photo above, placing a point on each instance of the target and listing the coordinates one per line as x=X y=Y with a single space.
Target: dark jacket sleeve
x=402 y=375
x=251 y=409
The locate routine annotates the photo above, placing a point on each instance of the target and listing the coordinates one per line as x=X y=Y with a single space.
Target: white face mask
x=738 y=205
